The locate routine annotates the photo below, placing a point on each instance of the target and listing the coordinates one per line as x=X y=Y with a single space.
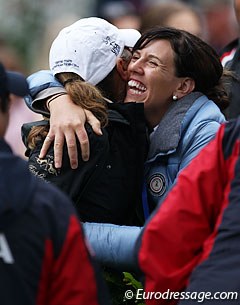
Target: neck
x=154 y=116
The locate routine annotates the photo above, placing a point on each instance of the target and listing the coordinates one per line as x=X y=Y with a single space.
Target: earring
x=174 y=97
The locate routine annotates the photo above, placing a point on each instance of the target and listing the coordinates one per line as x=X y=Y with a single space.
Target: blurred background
x=28 y=28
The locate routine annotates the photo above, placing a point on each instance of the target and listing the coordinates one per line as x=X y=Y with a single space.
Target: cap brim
x=129 y=36
x=17 y=84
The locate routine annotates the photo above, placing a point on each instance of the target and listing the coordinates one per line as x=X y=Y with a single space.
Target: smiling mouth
x=136 y=87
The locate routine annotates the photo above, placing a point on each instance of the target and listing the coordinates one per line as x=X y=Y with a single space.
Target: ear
x=186 y=86
x=122 y=66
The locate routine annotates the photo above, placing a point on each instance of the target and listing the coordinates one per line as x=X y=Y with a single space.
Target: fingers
x=68 y=133
x=67 y=122
x=58 y=149
x=84 y=142
x=58 y=134
x=94 y=122
x=59 y=139
x=66 y=118
x=72 y=148
x=46 y=144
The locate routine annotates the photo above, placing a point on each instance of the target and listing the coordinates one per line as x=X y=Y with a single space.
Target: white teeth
x=137 y=92
x=137 y=85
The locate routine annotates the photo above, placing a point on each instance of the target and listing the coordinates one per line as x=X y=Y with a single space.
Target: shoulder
x=126 y=112
x=203 y=123
x=204 y=112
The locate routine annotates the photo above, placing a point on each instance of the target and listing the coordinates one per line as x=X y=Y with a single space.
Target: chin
x=137 y=99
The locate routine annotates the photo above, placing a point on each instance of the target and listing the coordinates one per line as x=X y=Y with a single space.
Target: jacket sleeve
x=42 y=85
x=113 y=245
x=172 y=240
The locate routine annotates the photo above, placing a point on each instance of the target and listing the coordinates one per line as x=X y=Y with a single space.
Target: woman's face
x=152 y=77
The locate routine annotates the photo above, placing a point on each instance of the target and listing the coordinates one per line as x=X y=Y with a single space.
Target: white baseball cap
x=90 y=48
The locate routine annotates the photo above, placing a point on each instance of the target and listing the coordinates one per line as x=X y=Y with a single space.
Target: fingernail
x=85 y=158
x=57 y=165
x=100 y=131
x=74 y=166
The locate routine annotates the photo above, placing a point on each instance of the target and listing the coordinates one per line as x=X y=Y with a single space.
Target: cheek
x=160 y=95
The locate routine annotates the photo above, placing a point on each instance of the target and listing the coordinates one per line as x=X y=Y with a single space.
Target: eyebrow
x=150 y=56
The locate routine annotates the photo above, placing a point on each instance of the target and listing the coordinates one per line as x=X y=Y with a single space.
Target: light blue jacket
x=185 y=129
x=188 y=125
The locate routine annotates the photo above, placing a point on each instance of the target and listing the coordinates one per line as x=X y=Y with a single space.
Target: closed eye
x=134 y=58
x=153 y=63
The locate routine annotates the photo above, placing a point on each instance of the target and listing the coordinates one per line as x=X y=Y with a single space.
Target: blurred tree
x=24 y=22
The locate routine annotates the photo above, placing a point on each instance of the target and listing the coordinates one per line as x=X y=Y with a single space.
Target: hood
x=16 y=185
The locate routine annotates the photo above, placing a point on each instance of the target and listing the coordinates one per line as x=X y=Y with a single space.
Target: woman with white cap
x=107 y=188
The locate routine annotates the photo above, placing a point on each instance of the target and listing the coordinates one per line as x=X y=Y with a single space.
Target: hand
x=66 y=122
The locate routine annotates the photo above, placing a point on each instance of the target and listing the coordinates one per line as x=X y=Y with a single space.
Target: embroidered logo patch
x=157 y=184
x=47 y=165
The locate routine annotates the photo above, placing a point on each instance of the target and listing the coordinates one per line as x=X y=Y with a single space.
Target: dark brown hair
x=193 y=58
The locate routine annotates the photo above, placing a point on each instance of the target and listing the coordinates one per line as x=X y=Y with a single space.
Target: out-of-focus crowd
x=214 y=21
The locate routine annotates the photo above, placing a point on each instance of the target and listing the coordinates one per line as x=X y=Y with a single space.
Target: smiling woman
x=181 y=82
x=169 y=64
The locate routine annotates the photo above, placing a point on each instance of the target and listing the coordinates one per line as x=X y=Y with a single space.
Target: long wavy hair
x=81 y=93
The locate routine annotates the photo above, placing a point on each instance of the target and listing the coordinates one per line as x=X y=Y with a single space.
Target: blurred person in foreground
x=44 y=258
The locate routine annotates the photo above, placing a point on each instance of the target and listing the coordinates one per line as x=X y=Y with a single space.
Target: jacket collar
x=167 y=135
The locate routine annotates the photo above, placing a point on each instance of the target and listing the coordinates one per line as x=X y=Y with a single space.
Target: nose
x=136 y=66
